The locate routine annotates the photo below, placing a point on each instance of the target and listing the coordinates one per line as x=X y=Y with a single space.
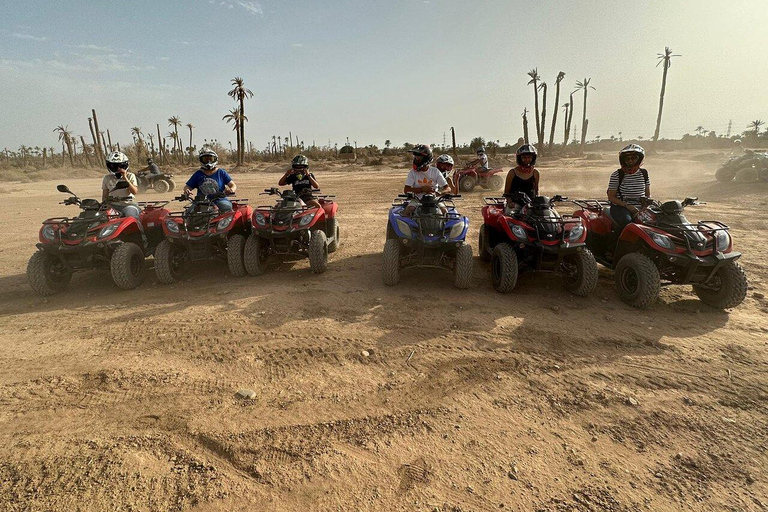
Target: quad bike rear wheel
x=637 y=280
x=495 y=182
x=467 y=183
x=47 y=274
x=162 y=186
x=725 y=174
x=484 y=244
x=255 y=255
x=726 y=289
x=390 y=266
x=580 y=272
x=504 y=268
x=168 y=262
x=333 y=228
x=127 y=266
x=235 y=249
x=171 y=184
x=318 y=252
x=462 y=270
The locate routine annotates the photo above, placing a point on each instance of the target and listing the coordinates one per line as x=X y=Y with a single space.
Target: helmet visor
x=300 y=167
x=115 y=167
x=207 y=159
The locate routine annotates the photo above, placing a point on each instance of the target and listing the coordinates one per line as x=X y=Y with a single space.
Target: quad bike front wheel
x=725 y=174
x=127 y=266
x=47 y=274
x=390 y=266
x=483 y=243
x=726 y=289
x=168 y=262
x=162 y=186
x=235 y=250
x=462 y=270
x=637 y=280
x=333 y=228
x=467 y=183
x=318 y=252
x=255 y=255
x=504 y=268
x=580 y=272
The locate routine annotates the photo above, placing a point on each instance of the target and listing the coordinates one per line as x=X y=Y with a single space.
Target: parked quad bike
x=747 y=168
x=289 y=228
x=98 y=238
x=160 y=183
x=202 y=232
x=520 y=234
x=471 y=177
x=428 y=238
x=661 y=247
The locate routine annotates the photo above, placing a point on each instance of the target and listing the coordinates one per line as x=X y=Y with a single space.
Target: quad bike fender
x=153 y=217
x=491 y=214
x=330 y=209
x=393 y=222
x=504 y=224
x=126 y=226
x=468 y=172
x=635 y=235
x=598 y=223
x=491 y=172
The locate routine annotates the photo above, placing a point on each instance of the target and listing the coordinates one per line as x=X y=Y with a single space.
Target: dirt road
x=467 y=400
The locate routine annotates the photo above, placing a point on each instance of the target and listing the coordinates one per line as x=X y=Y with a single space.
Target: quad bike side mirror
x=65 y=189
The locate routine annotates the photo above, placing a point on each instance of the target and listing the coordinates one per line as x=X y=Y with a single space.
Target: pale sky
x=405 y=70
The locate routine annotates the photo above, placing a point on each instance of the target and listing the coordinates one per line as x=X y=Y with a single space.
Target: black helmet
x=526 y=149
x=300 y=162
x=422 y=156
x=632 y=149
x=149 y=160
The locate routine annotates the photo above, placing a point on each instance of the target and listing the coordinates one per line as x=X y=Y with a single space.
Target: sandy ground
x=467 y=401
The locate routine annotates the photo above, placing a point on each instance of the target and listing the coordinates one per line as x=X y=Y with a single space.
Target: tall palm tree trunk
x=540 y=135
x=241 y=134
x=525 y=125
x=190 y=145
x=584 y=123
x=99 y=135
x=569 y=120
x=661 y=102
x=85 y=151
x=96 y=148
x=536 y=106
x=554 y=116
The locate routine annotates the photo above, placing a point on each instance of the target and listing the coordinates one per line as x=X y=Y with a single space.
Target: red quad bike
x=531 y=235
x=291 y=228
x=470 y=177
x=660 y=244
x=99 y=237
x=202 y=232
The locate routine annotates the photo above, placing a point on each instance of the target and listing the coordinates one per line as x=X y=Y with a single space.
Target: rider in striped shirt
x=628 y=183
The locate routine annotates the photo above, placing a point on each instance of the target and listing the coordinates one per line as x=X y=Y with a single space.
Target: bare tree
x=666 y=59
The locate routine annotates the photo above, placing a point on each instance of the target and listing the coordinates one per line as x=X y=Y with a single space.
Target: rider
x=524 y=177
x=631 y=182
x=302 y=181
x=208 y=180
x=445 y=165
x=738 y=148
x=120 y=199
x=423 y=178
x=152 y=167
x=481 y=162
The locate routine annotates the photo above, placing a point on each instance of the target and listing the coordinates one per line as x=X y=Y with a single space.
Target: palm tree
x=65 y=136
x=387 y=143
x=540 y=135
x=190 y=148
x=559 y=79
x=235 y=117
x=239 y=93
x=525 y=125
x=136 y=132
x=175 y=122
x=151 y=143
x=699 y=130
x=584 y=85
x=534 y=74
x=665 y=58
x=755 y=125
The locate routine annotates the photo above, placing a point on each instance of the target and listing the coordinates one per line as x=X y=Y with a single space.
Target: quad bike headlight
x=576 y=232
x=261 y=220
x=224 y=223
x=723 y=240
x=171 y=225
x=306 y=220
x=456 y=230
x=108 y=230
x=49 y=233
x=662 y=241
x=519 y=232
x=404 y=228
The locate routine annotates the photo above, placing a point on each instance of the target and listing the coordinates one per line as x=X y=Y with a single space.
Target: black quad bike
x=99 y=237
x=203 y=232
x=289 y=228
x=529 y=234
x=160 y=183
x=661 y=245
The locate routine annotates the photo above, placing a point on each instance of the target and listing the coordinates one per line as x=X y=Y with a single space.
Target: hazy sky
x=405 y=70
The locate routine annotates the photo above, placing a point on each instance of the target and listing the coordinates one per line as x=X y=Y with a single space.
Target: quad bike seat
x=607 y=213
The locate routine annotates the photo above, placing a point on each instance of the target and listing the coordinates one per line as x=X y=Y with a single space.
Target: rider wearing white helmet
x=120 y=199
x=445 y=165
x=628 y=183
x=210 y=179
x=481 y=162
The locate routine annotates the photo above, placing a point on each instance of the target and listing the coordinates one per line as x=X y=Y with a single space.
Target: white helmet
x=116 y=161
x=208 y=158
x=444 y=159
x=737 y=142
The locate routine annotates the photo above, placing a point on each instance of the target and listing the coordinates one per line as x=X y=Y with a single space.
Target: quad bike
x=99 y=237
x=470 y=177
x=290 y=228
x=428 y=238
x=749 y=168
x=202 y=232
x=523 y=234
x=161 y=183
x=660 y=244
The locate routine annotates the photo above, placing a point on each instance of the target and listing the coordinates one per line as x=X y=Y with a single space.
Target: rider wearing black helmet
x=302 y=181
x=524 y=177
x=628 y=183
x=423 y=178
